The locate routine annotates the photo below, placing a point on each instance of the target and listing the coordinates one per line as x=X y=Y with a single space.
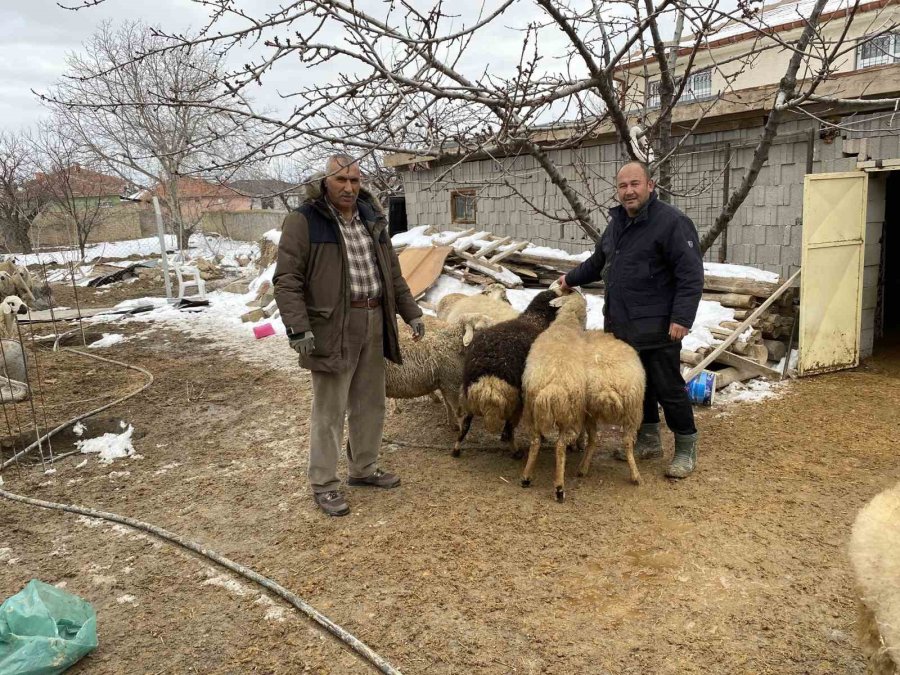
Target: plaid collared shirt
x=365 y=282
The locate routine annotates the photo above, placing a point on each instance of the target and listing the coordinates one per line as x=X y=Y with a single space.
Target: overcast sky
x=35 y=36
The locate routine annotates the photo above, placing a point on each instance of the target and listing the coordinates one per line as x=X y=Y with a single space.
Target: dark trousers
x=665 y=387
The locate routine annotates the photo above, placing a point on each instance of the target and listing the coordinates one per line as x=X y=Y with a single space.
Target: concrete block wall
x=766 y=231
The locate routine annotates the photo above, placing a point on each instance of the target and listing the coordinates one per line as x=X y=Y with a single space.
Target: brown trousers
x=356 y=393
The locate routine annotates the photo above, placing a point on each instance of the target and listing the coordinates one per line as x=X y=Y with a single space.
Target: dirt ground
x=739 y=569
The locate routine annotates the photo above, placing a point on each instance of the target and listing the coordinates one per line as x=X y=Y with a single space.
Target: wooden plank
x=553 y=263
x=734 y=336
x=761 y=289
x=421 y=267
x=457 y=235
x=510 y=251
x=42 y=315
x=493 y=246
x=743 y=363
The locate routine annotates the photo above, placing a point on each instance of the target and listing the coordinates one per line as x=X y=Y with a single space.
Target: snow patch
x=108 y=340
x=740 y=271
x=751 y=391
x=228 y=584
x=109 y=447
x=130 y=599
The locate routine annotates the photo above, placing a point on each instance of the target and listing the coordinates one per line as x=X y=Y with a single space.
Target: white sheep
x=434 y=363
x=491 y=302
x=17 y=279
x=554 y=388
x=13 y=373
x=615 y=393
x=11 y=306
x=875 y=556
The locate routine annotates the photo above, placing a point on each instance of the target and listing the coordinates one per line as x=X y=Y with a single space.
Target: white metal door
x=834 y=229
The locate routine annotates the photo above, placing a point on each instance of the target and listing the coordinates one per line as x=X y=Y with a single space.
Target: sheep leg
x=463 y=432
x=509 y=436
x=533 y=451
x=452 y=405
x=629 y=455
x=589 y=449
x=560 y=468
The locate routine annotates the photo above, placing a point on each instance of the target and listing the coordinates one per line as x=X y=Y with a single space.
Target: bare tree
x=78 y=196
x=116 y=106
x=583 y=69
x=21 y=202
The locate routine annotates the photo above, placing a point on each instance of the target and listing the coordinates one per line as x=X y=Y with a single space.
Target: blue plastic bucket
x=702 y=389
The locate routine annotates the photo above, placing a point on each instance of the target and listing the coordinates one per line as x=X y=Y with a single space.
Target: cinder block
x=870 y=297
x=870 y=276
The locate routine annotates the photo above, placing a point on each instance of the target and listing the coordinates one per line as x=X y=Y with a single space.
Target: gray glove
x=303 y=344
x=418 y=328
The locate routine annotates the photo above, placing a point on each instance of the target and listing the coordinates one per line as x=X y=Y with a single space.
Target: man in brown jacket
x=339 y=288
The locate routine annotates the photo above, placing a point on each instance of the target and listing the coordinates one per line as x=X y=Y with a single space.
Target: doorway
x=888 y=310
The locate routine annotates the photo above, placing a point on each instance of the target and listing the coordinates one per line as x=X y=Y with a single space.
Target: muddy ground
x=740 y=569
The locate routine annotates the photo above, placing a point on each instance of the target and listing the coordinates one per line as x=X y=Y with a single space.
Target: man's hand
x=677 y=332
x=418 y=329
x=303 y=344
x=562 y=283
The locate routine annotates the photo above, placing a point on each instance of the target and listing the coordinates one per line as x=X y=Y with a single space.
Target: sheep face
x=496 y=291
x=12 y=304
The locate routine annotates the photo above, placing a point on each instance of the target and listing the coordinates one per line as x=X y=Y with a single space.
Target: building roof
x=197 y=188
x=83 y=182
x=264 y=187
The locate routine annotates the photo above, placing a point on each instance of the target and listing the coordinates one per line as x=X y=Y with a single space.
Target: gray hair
x=339 y=161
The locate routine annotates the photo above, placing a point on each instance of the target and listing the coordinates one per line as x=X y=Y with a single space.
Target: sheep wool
x=875 y=557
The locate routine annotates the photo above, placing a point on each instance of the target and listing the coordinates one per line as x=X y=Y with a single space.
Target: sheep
x=10 y=307
x=554 y=388
x=875 y=556
x=16 y=279
x=435 y=362
x=493 y=367
x=616 y=381
x=574 y=381
x=13 y=382
x=492 y=302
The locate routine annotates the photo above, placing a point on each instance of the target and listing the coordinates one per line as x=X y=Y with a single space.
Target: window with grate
x=462 y=206
x=878 y=51
x=698 y=87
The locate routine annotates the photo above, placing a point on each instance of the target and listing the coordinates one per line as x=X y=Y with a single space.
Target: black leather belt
x=371 y=303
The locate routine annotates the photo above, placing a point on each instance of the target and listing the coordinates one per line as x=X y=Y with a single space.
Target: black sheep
x=493 y=367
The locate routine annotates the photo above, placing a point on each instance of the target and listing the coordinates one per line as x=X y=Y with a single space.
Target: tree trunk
x=17 y=237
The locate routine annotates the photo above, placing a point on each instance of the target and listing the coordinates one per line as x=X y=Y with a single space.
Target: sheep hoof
x=518 y=454
x=456 y=452
x=526 y=482
x=560 y=495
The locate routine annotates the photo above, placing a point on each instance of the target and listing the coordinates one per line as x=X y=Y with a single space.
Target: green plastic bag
x=44 y=630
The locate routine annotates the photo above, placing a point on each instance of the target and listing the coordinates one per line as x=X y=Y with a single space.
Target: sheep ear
x=558 y=302
x=469 y=335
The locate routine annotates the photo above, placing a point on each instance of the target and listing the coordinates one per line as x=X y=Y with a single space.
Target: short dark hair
x=641 y=164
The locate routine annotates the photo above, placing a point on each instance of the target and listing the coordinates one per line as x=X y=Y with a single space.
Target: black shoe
x=332 y=503
x=380 y=478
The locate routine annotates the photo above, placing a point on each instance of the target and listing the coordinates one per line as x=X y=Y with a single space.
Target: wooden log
x=758 y=353
x=746 y=364
x=734 y=336
x=510 y=251
x=737 y=300
x=730 y=375
x=691 y=358
x=753 y=336
x=776 y=349
x=496 y=272
x=553 y=263
x=760 y=289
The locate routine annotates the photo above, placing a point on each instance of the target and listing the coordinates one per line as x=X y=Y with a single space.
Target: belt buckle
x=371 y=303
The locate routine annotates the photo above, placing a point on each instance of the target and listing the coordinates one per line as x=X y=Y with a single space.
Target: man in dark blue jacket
x=649 y=259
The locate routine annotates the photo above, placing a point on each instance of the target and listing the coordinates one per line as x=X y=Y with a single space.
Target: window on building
x=698 y=87
x=878 y=51
x=462 y=206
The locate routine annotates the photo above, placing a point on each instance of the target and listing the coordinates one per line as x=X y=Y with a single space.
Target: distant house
x=269 y=193
x=81 y=186
x=200 y=196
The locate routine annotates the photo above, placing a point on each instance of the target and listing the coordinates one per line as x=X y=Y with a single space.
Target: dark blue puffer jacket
x=653 y=271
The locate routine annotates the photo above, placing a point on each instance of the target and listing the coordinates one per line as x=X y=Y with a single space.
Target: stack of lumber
x=503 y=260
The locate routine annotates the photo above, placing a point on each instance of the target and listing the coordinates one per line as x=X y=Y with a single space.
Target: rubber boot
x=685 y=460
x=647 y=446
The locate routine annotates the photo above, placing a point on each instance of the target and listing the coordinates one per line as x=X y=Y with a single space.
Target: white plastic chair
x=189 y=277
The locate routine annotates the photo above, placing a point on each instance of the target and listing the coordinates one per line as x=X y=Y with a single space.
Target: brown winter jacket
x=312 y=284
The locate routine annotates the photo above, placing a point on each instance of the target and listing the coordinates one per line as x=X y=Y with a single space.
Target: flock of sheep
x=544 y=369
x=541 y=367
